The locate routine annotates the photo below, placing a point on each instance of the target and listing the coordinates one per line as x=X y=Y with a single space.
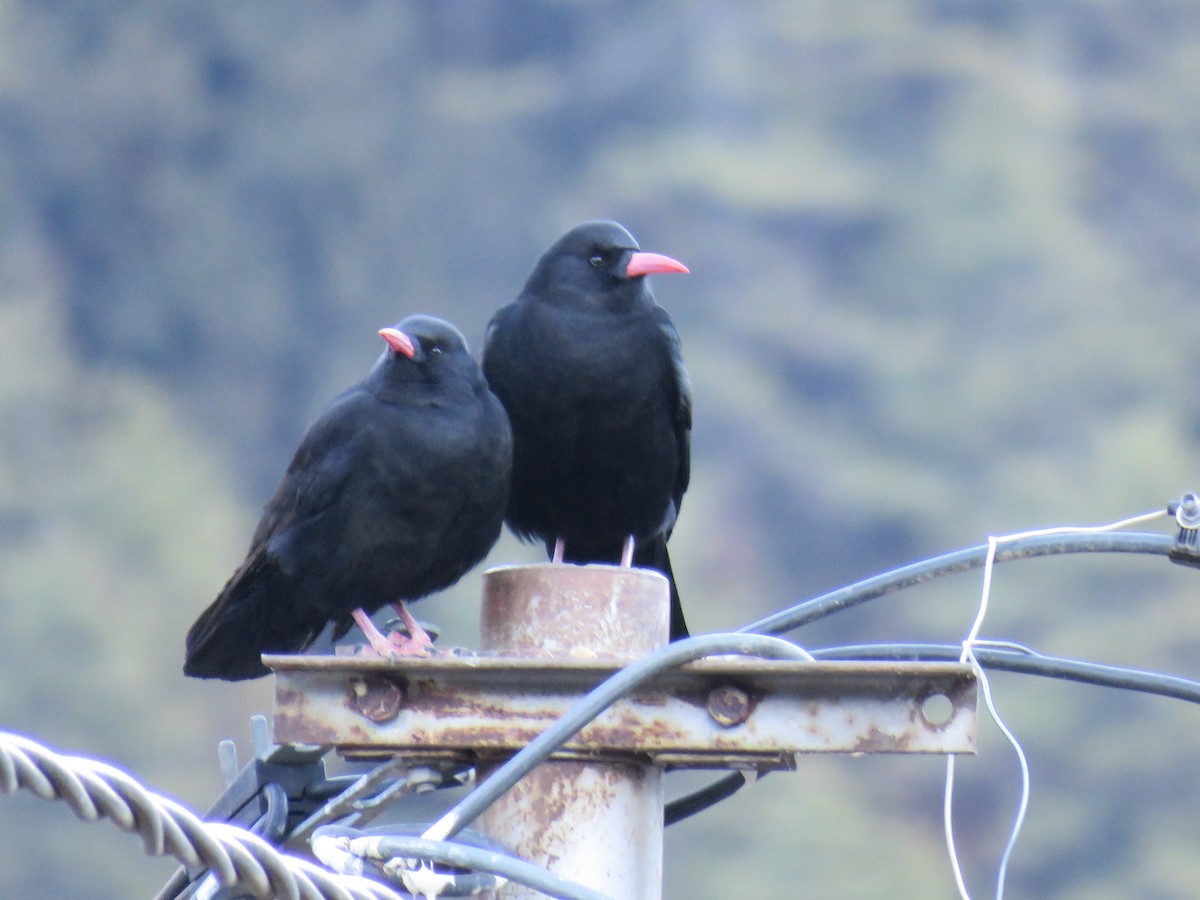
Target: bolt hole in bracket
x=937 y=710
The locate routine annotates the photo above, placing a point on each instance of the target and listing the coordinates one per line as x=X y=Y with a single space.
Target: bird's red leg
x=394 y=644
x=376 y=638
x=560 y=547
x=418 y=641
x=627 y=553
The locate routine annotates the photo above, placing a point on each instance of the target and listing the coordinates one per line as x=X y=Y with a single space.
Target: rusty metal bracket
x=713 y=714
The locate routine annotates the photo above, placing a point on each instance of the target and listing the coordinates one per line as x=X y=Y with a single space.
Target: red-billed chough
x=398 y=488
x=590 y=371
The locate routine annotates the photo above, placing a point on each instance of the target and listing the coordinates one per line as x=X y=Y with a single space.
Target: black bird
x=590 y=370
x=398 y=488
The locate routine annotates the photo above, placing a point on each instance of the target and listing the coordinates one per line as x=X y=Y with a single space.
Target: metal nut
x=728 y=706
x=376 y=699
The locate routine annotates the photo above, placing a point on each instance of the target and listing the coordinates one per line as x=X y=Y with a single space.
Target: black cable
x=698 y=801
x=272 y=824
x=957 y=561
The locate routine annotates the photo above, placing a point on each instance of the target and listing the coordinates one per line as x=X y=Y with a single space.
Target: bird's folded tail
x=652 y=554
x=230 y=636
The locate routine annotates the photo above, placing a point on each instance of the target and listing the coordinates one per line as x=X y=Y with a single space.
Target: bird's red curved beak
x=649 y=263
x=398 y=341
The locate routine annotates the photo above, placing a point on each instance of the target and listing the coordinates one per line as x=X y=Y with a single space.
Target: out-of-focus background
x=945 y=257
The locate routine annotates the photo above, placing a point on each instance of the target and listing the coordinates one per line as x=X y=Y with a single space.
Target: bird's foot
x=560 y=548
x=401 y=644
x=416 y=643
x=417 y=637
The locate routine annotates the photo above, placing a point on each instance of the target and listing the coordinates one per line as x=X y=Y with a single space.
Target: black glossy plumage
x=398 y=488
x=590 y=370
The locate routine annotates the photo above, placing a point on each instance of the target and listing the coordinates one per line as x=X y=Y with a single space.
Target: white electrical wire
x=968 y=656
x=94 y=790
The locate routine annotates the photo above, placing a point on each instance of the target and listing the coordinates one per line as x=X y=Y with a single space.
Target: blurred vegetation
x=945 y=256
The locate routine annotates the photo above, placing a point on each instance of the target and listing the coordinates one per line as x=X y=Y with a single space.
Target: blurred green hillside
x=945 y=257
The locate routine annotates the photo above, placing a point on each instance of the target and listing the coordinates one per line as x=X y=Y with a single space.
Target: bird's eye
x=597 y=260
x=435 y=351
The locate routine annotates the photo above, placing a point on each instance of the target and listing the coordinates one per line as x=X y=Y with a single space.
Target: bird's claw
x=419 y=644
x=396 y=645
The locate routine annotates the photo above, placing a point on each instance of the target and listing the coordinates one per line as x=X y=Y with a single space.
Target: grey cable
x=950 y=563
x=594 y=703
x=1001 y=655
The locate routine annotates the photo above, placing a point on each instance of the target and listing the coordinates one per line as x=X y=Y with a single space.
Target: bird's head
x=596 y=263
x=423 y=347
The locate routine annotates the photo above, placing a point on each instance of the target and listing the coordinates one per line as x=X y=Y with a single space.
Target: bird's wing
x=682 y=406
x=316 y=476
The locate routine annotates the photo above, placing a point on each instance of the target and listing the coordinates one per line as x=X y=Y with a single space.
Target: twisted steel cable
x=236 y=858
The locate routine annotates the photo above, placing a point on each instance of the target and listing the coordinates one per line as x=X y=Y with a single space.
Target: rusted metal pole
x=597 y=821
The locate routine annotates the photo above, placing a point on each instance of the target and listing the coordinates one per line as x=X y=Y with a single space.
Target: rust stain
x=877 y=741
x=296 y=729
x=293 y=722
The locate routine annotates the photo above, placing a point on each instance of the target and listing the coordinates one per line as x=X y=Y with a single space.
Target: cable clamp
x=1186 y=511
